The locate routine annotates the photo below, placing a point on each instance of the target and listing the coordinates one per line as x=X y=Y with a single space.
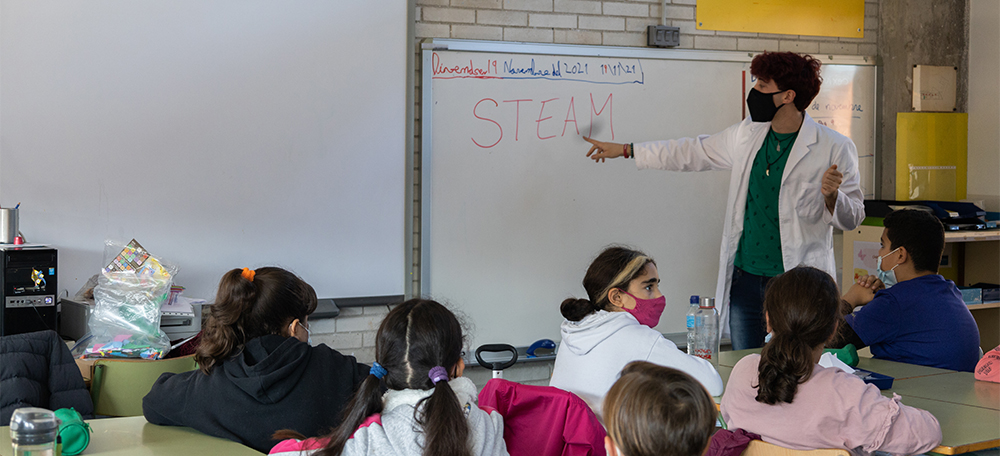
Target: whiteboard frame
x=428 y=47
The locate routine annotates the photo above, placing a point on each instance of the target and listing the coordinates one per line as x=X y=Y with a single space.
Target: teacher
x=793 y=180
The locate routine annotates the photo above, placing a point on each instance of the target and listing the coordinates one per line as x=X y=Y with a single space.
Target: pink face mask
x=647 y=311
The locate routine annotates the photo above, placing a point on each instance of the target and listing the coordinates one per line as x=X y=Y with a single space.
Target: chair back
x=118 y=385
x=762 y=448
x=543 y=420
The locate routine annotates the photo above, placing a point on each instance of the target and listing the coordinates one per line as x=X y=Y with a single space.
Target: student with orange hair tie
x=257 y=372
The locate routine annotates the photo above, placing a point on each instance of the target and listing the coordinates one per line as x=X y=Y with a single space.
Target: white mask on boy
x=888 y=278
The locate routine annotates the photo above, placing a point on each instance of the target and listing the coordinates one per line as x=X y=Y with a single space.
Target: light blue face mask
x=768 y=337
x=888 y=278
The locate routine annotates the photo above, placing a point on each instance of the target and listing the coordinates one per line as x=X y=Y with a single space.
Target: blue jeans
x=747 y=326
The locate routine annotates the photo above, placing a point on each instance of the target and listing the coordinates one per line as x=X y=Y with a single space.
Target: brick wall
x=352 y=332
x=584 y=22
x=613 y=23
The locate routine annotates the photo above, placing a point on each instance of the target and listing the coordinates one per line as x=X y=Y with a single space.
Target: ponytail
x=784 y=363
x=365 y=402
x=223 y=332
x=250 y=304
x=802 y=307
x=574 y=309
x=444 y=423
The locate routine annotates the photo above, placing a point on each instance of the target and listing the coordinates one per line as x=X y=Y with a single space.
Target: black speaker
x=28 y=289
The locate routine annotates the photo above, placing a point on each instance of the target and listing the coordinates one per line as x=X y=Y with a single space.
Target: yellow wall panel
x=790 y=17
x=931 y=155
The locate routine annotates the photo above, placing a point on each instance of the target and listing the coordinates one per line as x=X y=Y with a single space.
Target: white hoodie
x=395 y=431
x=595 y=349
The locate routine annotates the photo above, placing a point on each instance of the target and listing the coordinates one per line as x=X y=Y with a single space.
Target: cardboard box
x=86 y=368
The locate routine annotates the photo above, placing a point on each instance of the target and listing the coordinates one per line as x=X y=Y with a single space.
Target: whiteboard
x=513 y=212
x=217 y=133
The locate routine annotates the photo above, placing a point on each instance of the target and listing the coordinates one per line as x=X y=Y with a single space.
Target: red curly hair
x=790 y=71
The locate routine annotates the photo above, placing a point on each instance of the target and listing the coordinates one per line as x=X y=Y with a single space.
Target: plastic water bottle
x=692 y=310
x=33 y=432
x=706 y=332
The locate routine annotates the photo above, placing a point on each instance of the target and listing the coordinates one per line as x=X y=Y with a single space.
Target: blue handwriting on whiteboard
x=830 y=107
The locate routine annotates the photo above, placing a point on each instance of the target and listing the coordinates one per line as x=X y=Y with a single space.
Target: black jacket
x=274 y=383
x=37 y=370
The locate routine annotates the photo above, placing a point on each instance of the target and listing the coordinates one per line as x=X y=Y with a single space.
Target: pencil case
x=882 y=382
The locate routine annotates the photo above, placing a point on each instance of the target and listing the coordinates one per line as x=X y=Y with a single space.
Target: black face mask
x=761 y=105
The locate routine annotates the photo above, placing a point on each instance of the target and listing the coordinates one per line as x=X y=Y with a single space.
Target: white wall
x=984 y=102
x=219 y=134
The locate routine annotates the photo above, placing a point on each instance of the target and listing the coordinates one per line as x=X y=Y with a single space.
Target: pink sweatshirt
x=833 y=409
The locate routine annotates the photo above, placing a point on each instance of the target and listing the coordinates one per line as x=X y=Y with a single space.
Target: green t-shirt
x=759 y=251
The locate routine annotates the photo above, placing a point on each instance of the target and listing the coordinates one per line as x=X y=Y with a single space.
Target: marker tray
x=881 y=381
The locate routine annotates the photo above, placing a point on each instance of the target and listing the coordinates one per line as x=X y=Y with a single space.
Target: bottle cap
x=18 y=240
x=694 y=300
x=707 y=302
x=33 y=426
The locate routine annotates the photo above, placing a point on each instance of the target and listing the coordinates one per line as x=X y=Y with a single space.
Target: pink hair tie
x=437 y=373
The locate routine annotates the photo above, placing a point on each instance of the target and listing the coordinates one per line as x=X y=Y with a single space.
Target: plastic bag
x=128 y=296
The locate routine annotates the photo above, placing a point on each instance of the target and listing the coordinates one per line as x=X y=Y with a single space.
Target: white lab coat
x=806 y=226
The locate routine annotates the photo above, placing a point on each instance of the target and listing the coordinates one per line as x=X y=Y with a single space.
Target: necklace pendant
x=767 y=172
x=779 y=147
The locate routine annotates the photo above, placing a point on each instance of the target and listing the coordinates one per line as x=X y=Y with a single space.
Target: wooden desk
x=133 y=436
x=963 y=428
x=968 y=410
x=893 y=369
x=955 y=387
x=900 y=371
x=724 y=372
x=730 y=358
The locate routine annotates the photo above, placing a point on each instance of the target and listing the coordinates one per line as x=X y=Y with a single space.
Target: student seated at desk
x=784 y=395
x=654 y=410
x=615 y=326
x=430 y=409
x=911 y=314
x=257 y=372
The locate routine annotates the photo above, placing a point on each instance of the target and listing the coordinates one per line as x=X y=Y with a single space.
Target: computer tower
x=28 y=289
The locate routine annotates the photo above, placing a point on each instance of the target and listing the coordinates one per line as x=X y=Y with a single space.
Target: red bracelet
x=625 y=150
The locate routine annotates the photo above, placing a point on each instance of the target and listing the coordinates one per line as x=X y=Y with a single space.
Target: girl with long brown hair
x=784 y=395
x=257 y=372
